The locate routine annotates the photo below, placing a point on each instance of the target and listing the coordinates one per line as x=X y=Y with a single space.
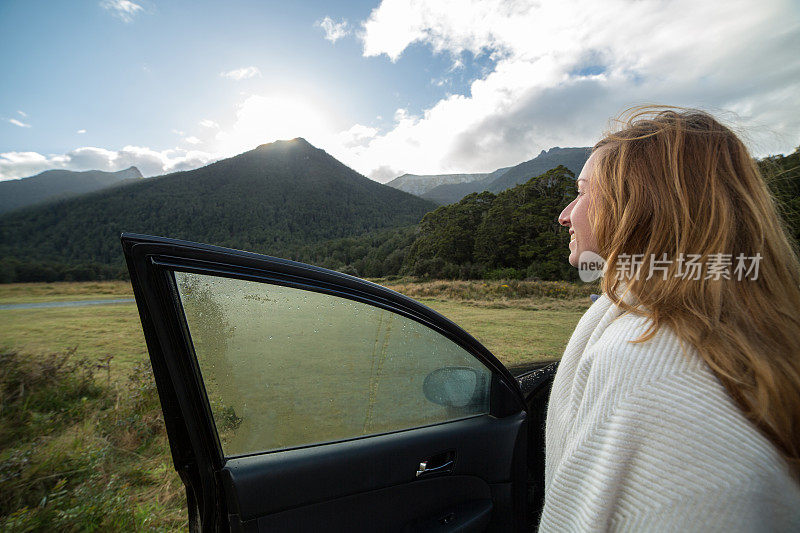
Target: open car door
x=301 y=399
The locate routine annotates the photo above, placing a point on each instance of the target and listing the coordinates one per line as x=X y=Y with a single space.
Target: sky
x=391 y=87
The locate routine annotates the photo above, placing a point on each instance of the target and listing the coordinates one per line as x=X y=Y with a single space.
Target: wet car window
x=286 y=367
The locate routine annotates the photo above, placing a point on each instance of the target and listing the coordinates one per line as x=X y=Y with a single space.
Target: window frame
x=505 y=397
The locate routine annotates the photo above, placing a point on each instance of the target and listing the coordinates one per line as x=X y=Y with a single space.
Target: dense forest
x=513 y=234
x=782 y=174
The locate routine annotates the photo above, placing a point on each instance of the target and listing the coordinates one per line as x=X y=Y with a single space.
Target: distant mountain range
x=419 y=185
x=270 y=199
x=58 y=184
x=445 y=192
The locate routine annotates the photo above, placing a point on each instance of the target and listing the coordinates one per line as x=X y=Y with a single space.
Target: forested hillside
x=513 y=234
x=52 y=184
x=269 y=200
x=452 y=192
x=570 y=158
x=783 y=176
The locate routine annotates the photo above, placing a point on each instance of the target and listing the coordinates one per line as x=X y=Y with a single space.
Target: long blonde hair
x=677 y=182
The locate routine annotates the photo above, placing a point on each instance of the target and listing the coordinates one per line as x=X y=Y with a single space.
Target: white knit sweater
x=641 y=437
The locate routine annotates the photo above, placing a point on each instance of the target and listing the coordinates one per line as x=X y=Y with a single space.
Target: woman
x=676 y=406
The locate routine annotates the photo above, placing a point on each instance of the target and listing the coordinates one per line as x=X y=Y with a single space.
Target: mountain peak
x=285 y=144
x=130 y=172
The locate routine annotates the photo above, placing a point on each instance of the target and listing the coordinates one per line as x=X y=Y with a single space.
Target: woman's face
x=576 y=216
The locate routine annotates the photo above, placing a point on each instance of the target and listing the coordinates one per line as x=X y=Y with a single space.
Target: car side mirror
x=453 y=386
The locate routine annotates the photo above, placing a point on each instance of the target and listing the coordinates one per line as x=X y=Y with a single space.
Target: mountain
x=452 y=192
x=571 y=158
x=53 y=184
x=505 y=178
x=271 y=199
x=420 y=184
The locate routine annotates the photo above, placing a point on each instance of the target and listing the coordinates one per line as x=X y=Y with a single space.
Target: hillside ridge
x=505 y=178
x=56 y=184
x=277 y=196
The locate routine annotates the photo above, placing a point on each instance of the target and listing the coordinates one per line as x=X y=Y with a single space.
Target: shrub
x=80 y=453
x=43 y=393
x=504 y=273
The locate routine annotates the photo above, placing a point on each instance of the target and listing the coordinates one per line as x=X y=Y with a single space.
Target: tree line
x=510 y=235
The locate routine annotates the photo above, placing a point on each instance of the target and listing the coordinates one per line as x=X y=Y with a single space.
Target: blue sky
x=387 y=87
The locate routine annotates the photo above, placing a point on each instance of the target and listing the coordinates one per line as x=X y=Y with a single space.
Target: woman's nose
x=563 y=218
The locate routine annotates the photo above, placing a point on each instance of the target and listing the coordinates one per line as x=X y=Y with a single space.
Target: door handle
x=423 y=468
x=439 y=464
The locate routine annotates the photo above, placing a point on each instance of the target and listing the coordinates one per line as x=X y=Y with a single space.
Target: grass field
x=518 y=326
x=83 y=447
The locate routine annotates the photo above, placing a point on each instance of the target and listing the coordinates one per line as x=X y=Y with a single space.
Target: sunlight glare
x=264 y=119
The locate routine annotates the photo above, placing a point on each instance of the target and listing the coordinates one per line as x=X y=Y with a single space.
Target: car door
x=298 y=399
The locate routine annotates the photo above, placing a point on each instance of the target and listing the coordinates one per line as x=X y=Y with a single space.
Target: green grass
x=82 y=441
x=96 y=332
x=516 y=333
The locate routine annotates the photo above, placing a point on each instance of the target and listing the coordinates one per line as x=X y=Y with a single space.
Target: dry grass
x=482 y=291
x=12 y=293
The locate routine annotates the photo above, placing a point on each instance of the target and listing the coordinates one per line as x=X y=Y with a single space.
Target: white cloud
x=178 y=132
x=559 y=70
x=18 y=123
x=81 y=131
x=241 y=73
x=206 y=123
x=358 y=135
x=23 y=114
x=192 y=140
x=149 y=162
x=21 y=164
x=333 y=30
x=125 y=10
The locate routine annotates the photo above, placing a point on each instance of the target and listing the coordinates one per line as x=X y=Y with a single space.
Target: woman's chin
x=573 y=258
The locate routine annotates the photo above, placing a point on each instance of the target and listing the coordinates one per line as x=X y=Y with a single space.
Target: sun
x=263 y=119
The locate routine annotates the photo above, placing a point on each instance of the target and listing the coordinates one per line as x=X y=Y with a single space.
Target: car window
x=285 y=367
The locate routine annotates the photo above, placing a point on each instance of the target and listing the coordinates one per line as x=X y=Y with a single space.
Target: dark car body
x=253 y=459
